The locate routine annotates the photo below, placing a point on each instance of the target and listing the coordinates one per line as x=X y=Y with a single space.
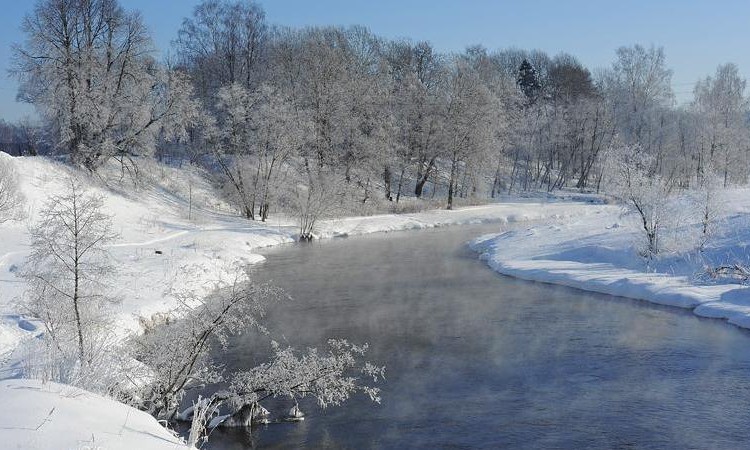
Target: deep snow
x=38 y=415
x=195 y=252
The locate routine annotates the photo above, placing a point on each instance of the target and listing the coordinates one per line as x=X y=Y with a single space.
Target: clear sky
x=696 y=35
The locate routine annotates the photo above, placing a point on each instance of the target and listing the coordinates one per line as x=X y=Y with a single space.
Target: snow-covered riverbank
x=598 y=253
x=162 y=247
x=165 y=245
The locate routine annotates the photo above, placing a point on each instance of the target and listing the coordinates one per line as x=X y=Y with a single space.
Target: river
x=478 y=360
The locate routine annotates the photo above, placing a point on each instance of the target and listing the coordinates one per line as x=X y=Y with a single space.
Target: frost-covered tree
x=419 y=74
x=234 y=150
x=11 y=198
x=177 y=355
x=721 y=102
x=639 y=84
x=314 y=198
x=642 y=190
x=177 y=352
x=468 y=123
x=710 y=204
x=257 y=133
x=87 y=66
x=68 y=274
x=279 y=133
x=222 y=44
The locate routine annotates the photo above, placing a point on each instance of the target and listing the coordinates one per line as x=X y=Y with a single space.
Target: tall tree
x=722 y=103
x=528 y=81
x=222 y=44
x=87 y=67
x=640 y=86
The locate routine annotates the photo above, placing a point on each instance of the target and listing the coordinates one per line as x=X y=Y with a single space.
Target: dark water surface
x=478 y=360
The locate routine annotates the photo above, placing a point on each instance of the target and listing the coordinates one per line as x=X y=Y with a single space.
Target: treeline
x=311 y=119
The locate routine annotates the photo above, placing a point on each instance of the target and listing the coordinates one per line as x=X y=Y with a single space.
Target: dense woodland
x=324 y=118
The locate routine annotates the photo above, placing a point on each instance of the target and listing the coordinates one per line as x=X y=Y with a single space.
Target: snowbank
x=38 y=415
x=597 y=254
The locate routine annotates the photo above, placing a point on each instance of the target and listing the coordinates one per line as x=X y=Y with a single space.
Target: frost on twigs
x=330 y=377
x=178 y=355
x=69 y=276
x=178 y=352
x=643 y=191
x=738 y=272
x=11 y=199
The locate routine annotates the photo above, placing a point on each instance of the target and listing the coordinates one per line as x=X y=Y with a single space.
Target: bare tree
x=467 y=124
x=177 y=354
x=11 y=198
x=88 y=68
x=68 y=272
x=721 y=101
x=643 y=191
x=640 y=85
x=222 y=44
x=257 y=133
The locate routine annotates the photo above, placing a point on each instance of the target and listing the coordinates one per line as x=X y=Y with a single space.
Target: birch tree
x=11 y=198
x=68 y=273
x=635 y=182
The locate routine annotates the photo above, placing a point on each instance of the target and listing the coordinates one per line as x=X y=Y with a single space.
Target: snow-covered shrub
x=320 y=196
x=642 y=190
x=178 y=357
x=710 y=203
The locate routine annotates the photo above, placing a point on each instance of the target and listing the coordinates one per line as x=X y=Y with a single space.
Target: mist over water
x=475 y=359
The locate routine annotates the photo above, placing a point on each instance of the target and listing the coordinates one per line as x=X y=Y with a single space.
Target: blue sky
x=697 y=35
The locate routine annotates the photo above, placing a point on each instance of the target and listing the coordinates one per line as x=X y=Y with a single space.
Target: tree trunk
x=452 y=182
x=400 y=184
x=387 y=183
x=425 y=176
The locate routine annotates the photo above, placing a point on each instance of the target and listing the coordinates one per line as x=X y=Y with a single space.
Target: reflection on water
x=479 y=360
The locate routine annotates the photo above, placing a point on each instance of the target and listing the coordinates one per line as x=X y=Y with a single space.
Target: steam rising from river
x=476 y=359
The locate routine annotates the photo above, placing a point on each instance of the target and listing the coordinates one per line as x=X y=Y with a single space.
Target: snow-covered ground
x=599 y=253
x=38 y=415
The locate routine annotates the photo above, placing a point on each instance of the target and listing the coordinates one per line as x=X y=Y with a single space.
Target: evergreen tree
x=528 y=81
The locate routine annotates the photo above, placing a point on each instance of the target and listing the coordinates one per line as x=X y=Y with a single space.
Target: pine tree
x=528 y=81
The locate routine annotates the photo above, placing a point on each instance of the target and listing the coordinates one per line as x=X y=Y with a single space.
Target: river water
x=479 y=360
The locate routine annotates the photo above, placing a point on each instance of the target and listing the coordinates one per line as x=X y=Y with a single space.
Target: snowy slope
x=198 y=251
x=39 y=415
x=195 y=252
x=598 y=254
